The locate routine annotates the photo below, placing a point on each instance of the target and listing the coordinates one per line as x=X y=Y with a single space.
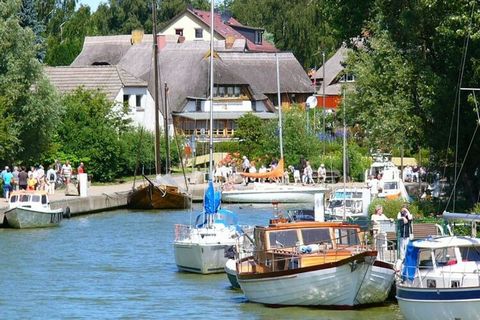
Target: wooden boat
x=440 y=279
x=31 y=209
x=158 y=196
x=313 y=264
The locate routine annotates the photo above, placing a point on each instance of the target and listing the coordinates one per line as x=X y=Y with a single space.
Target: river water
x=120 y=265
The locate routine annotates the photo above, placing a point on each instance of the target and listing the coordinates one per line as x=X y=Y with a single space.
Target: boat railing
x=426 y=276
x=288 y=258
x=182 y=232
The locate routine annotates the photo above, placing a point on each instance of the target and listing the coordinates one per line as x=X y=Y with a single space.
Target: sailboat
x=163 y=193
x=278 y=192
x=201 y=248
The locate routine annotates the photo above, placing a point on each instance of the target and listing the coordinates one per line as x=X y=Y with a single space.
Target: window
x=227 y=91
x=254 y=105
x=198 y=105
x=311 y=236
x=347 y=78
x=258 y=37
x=283 y=239
x=198 y=33
x=126 y=97
x=237 y=91
x=179 y=32
x=221 y=91
x=138 y=101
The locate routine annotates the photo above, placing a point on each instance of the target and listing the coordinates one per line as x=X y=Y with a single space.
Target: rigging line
x=179 y=153
x=463 y=163
x=457 y=101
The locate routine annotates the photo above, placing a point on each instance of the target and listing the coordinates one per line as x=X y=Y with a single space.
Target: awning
x=406 y=161
x=223 y=115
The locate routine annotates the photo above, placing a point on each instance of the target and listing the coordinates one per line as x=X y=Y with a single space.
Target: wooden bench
x=420 y=231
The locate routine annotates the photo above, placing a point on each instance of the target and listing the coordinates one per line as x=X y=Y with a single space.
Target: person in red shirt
x=81 y=168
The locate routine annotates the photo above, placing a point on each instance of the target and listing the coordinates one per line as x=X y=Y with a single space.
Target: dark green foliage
x=29 y=19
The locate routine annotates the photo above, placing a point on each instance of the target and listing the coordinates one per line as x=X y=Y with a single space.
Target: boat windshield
x=390 y=185
x=311 y=236
x=445 y=256
x=283 y=239
x=346 y=236
x=470 y=253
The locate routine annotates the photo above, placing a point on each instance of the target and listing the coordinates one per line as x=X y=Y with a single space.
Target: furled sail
x=275 y=173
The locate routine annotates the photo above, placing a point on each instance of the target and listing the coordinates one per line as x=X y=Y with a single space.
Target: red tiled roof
x=224 y=29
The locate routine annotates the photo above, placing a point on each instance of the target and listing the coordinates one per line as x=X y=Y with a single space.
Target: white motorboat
x=390 y=183
x=345 y=203
x=271 y=192
x=201 y=248
x=440 y=279
x=31 y=209
x=313 y=264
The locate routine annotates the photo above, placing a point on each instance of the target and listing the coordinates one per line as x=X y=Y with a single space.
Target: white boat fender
x=311 y=248
x=66 y=213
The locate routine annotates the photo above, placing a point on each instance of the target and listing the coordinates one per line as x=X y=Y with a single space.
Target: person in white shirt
x=51 y=178
x=322 y=173
x=67 y=172
x=379 y=235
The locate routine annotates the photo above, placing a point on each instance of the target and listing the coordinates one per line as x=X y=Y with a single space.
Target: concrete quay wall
x=92 y=204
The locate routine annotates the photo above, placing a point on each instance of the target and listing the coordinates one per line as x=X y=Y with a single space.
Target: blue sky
x=93 y=4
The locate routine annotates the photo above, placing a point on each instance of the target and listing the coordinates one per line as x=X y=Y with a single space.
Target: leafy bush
x=392 y=207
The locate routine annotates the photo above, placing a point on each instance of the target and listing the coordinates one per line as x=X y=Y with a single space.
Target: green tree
x=251 y=135
x=29 y=19
x=23 y=94
x=89 y=131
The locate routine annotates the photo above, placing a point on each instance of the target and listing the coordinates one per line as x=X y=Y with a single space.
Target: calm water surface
x=120 y=265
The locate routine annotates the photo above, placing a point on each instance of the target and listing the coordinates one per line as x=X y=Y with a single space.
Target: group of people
x=405 y=228
x=36 y=178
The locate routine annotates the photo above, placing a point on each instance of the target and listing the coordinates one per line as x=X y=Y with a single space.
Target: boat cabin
x=354 y=202
x=28 y=199
x=285 y=246
x=445 y=262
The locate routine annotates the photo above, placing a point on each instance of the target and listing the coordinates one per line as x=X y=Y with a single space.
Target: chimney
x=229 y=40
x=137 y=36
x=161 y=41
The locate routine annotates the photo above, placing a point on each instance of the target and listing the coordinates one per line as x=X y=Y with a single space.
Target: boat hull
x=354 y=282
x=158 y=197
x=439 y=303
x=282 y=194
x=23 y=217
x=200 y=257
x=231 y=271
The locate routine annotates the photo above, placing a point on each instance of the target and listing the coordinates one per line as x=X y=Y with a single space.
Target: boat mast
x=167 y=142
x=280 y=130
x=155 y=72
x=344 y=156
x=210 y=173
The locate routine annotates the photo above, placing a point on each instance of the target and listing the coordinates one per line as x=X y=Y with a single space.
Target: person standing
x=81 y=168
x=301 y=167
x=51 y=178
x=67 y=172
x=379 y=236
x=245 y=168
x=22 y=179
x=404 y=218
x=7 y=183
x=15 y=178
